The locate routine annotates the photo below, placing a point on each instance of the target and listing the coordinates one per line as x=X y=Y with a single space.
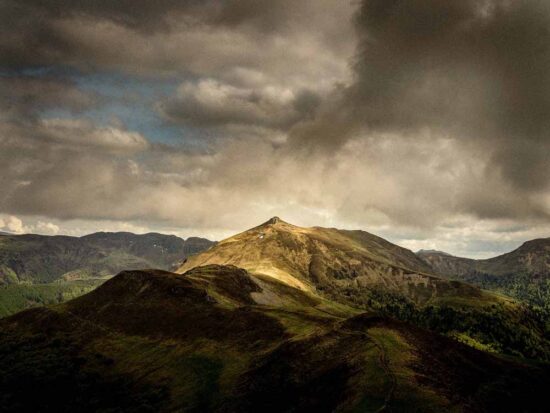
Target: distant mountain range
x=280 y=318
x=425 y=252
x=38 y=269
x=523 y=273
x=39 y=258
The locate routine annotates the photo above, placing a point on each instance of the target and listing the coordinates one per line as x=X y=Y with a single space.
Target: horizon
x=283 y=220
x=424 y=122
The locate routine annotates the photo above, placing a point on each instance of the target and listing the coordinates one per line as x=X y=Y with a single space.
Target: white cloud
x=84 y=133
x=15 y=225
x=47 y=228
x=211 y=103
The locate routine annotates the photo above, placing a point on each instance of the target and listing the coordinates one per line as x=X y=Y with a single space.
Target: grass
x=394 y=357
x=196 y=374
x=472 y=342
x=18 y=297
x=154 y=339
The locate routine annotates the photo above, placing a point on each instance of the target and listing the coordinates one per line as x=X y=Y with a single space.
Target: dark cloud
x=475 y=71
x=306 y=103
x=145 y=15
x=419 y=116
x=24 y=97
x=139 y=14
x=482 y=66
x=64 y=32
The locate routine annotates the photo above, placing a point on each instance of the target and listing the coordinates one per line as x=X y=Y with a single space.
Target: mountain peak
x=274 y=220
x=305 y=258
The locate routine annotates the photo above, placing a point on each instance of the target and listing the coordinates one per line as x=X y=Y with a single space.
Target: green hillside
x=37 y=270
x=523 y=273
x=202 y=341
x=361 y=270
x=41 y=259
x=280 y=318
x=17 y=297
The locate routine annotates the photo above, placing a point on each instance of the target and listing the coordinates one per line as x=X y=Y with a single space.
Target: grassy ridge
x=156 y=341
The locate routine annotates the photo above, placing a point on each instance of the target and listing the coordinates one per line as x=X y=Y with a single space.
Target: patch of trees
x=532 y=289
x=523 y=333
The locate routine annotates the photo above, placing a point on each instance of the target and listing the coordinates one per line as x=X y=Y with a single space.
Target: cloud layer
x=425 y=121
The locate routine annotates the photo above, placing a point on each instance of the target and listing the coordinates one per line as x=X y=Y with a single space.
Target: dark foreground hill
x=220 y=339
x=37 y=270
x=523 y=273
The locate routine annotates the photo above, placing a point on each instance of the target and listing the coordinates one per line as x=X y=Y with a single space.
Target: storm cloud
x=476 y=72
x=422 y=120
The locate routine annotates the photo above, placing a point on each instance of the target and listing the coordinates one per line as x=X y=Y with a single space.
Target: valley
x=523 y=274
x=200 y=342
x=280 y=318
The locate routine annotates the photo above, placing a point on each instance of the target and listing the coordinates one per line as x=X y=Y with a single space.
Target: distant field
x=18 y=297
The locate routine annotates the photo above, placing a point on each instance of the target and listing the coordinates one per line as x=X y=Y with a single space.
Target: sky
x=422 y=121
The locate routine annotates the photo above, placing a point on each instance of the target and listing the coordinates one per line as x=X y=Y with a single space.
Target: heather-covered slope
x=327 y=259
x=220 y=339
x=364 y=271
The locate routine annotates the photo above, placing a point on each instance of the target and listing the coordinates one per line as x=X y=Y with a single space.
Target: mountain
x=523 y=273
x=279 y=318
x=445 y=264
x=359 y=269
x=338 y=262
x=221 y=339
x=38 y=270
x=532 y=257
x=39 y=258
x=426 y=252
